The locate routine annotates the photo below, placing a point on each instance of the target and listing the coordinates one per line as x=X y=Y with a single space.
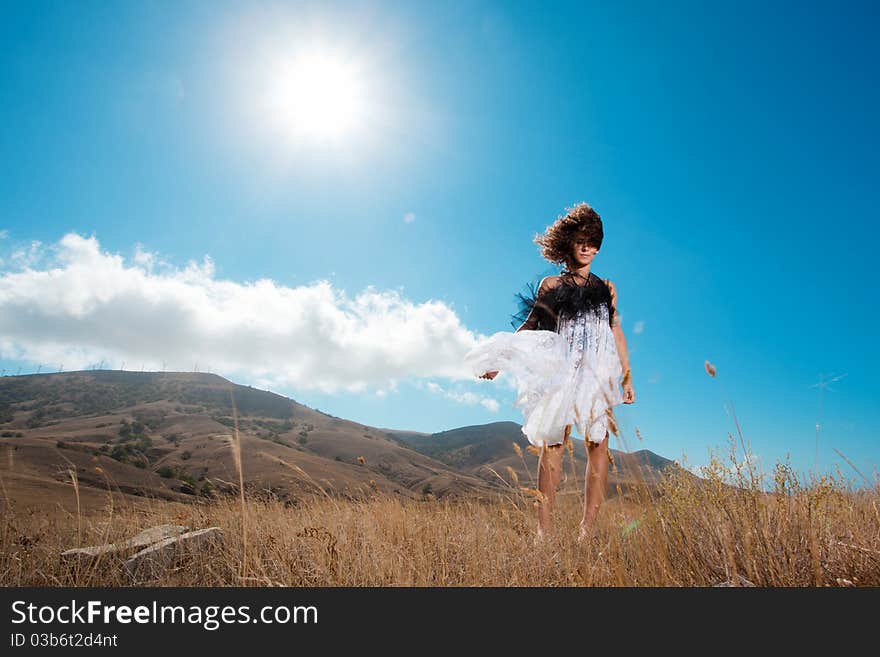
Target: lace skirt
x=554 y=387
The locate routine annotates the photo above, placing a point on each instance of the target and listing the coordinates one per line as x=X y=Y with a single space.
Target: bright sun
x=317 y=96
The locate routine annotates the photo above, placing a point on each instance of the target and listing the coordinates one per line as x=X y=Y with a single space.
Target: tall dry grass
x=736 y=525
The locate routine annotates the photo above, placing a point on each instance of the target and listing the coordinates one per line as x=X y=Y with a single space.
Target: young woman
x=569 y=360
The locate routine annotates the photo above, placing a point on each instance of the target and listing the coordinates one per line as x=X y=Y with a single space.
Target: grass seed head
x=612 y=422
x=534 y=492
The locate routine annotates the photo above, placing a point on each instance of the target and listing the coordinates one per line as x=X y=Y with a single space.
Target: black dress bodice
x=570 y=296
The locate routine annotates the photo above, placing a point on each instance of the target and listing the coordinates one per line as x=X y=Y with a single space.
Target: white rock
x=151 y=561
x=740 y=581
x=146 y=537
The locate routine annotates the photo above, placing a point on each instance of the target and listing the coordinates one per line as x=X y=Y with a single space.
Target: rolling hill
x=171 y=436
x=486 y=449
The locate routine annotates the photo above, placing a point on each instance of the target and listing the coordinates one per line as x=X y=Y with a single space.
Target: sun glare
x=317 y=96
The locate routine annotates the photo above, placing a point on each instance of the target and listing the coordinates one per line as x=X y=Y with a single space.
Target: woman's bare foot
x=540 y=537
x=587 y=536
x=585 y=532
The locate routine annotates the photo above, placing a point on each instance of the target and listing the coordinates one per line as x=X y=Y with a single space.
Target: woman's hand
x=489 y=375
x=629 y=393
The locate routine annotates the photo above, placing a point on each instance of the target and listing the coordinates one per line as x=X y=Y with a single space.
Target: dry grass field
x=733 y=525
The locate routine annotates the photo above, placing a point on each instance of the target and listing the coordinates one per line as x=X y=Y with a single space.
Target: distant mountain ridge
x=169 y=435
x=481 y=449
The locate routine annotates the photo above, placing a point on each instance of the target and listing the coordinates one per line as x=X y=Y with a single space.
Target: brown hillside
x=171 y=436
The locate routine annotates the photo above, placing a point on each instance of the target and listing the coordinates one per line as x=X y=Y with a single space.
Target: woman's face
x=583 y=251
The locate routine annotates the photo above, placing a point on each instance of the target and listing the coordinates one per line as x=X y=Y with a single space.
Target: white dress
x=568 y=376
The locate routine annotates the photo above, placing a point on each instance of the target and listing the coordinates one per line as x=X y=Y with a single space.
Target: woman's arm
x=533 y=320
x=629 y=393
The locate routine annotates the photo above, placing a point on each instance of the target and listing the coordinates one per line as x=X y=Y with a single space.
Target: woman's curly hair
x=556 y=242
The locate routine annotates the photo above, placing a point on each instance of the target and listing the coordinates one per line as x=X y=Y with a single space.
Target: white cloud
x=84 y=305
x=145 y=259
x=4 y=234
x=24 y=257
x=639 y=326
x=469 y=398
x=409 y=217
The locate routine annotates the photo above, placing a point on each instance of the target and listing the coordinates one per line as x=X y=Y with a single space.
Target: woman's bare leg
x=549 y=474
x=594 y=486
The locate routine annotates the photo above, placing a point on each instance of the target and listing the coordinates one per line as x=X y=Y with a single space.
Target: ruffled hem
x=551 y=391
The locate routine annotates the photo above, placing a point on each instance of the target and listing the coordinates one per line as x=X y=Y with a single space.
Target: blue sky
x=731 y=150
